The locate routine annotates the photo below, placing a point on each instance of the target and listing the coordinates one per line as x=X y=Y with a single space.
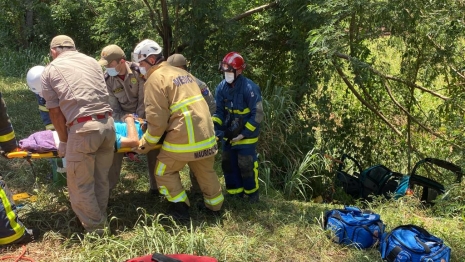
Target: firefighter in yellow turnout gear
x=175 y=108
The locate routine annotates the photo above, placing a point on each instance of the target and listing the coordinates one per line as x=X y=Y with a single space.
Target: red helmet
x=231 y=62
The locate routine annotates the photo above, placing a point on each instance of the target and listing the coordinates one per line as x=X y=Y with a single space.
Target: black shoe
x=235 y=196
x=254 y=198
x=178 y=211
x=203 y=208
x=29 y=236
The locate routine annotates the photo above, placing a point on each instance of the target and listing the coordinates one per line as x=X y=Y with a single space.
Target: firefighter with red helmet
x=239 y=112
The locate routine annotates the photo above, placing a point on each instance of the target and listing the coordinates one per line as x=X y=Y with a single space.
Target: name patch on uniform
x=206 y=152
x=133 y=80
x=117 y=90
x=181 y=80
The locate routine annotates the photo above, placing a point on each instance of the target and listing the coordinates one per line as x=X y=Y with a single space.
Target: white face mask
x=229 y=77
x=143 y=70
x=112 y=71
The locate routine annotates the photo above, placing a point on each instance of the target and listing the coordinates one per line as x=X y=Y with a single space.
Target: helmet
x=33 y=79
x=144 y=49
x=177 y=60
x=231 y=62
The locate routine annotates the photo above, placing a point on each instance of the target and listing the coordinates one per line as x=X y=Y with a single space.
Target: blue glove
x=219 y=134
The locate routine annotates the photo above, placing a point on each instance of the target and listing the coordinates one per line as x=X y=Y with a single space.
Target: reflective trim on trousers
x=18 y=228
x=160 y=169
x=214 y=201
x=255 y=172
x=181 y=197
x=235 y=191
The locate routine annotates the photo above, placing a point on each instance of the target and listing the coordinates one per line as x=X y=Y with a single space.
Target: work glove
x=144 y=147
x=237 y=138
x=219 y=134
x=62 y=149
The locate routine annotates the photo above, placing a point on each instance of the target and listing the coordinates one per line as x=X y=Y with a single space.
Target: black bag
x=349 y=183
x=427 y=188
x=378 y=180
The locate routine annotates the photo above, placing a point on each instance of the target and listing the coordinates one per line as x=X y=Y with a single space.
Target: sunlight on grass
x=279 y=228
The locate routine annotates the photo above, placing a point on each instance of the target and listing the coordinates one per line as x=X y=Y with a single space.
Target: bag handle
x=342 y=165
x=421 y=230
x=157 y=257
x=441 y=163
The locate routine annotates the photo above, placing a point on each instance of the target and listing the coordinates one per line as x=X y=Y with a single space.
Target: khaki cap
x=62 y=40
x=110 y=53
x=177 y=60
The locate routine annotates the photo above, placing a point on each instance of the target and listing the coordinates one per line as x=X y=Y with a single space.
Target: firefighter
x=239 y=112
x=12 y=231
x=125 y=85
x=174 y=106
x=180 y=61
x=7 y=134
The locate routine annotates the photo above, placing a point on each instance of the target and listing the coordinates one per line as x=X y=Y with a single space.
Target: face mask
x=112 y=71
x=229 y=77
x=143 y=70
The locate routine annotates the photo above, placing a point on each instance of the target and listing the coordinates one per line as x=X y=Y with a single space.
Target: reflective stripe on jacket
x=175 y=105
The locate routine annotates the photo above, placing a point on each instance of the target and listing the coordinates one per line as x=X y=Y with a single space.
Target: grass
x=275 y=229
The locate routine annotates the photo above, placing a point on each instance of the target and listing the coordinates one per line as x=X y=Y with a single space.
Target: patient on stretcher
x=128 y=133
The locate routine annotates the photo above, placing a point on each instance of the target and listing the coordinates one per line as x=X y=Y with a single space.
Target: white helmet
x=144 y=49
x=33 y=79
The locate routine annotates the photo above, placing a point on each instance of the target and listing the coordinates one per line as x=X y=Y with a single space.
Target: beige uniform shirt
x=174 y=103
x=127 y=97
x=74 y=82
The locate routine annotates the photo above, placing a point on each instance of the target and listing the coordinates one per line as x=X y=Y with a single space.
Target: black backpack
x=426 y=187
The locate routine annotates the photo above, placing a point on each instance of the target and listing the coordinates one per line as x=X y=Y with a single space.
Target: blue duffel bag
x=410 y=243
x=352 y=226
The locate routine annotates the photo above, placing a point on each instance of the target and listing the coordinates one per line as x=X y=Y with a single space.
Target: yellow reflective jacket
x=175 y=105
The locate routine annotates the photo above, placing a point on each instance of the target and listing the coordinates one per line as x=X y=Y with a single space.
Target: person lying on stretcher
x=128 y=133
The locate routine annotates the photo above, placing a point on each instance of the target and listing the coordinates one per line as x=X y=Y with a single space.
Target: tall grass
x=279 y=228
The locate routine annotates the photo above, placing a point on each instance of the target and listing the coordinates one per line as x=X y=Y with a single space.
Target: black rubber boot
x=203 y=208
x=254 y=198
x=178 y=211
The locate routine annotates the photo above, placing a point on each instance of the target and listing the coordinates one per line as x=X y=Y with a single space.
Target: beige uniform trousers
x=169 y=182
x=115 y=170
x=89 y=154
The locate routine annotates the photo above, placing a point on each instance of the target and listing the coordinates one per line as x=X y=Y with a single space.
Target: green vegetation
x=379 y=80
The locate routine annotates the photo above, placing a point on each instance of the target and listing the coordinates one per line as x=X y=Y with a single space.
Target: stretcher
x=54 y=154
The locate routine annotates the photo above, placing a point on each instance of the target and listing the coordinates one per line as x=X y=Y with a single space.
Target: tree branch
x=405 y=82
x=237 y=18
x=429 y=130
x=151 y=15
x=360 y=98
x=254 y=10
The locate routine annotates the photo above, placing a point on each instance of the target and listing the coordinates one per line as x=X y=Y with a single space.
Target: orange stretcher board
x=53 y=154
